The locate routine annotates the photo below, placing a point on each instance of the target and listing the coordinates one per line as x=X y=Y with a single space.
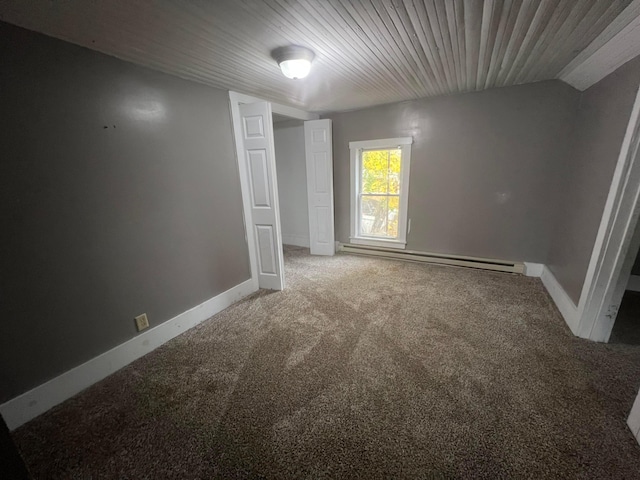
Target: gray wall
x=484 y=167
x=292 y=182
x=588 y=169
x=119 y=194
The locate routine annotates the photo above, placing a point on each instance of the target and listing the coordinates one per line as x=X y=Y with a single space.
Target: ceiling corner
x=615 y=46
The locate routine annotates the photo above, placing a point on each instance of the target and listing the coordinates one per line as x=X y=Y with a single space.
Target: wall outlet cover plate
x=142 y=322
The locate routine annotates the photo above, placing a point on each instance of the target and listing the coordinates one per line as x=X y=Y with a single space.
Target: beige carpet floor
x=361 y=368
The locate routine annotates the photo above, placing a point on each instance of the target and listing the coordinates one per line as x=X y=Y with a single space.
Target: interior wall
x=119 y=194
x=601 y=123
x=292 y=182
x=485 y=167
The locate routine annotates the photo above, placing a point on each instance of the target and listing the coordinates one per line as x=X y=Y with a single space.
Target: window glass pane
x=375 y=171
x=395 y=158
x=392 y=216
x=379 y=215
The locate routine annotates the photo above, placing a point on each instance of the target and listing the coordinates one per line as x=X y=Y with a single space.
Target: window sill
x=378 y=242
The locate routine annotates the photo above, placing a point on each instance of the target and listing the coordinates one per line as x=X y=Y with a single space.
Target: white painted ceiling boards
x=367 y=51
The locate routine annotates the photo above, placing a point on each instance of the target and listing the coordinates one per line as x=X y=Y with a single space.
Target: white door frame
x=235 y=100
x=609 y=267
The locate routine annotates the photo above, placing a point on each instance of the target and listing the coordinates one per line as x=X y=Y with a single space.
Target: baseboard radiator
x=454 y=260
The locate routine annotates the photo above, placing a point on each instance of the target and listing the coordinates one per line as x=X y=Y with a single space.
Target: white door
x=319 y=156
x=260 y=158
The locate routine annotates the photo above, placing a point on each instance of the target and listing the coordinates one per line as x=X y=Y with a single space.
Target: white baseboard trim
x=29 y=405
x=533 y=269
x=296 y=240
x=634 y=283
x=634 y=418
x=564 y=303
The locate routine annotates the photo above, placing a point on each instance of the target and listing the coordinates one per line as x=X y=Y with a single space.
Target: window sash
x=360 y=216
x=361 y=194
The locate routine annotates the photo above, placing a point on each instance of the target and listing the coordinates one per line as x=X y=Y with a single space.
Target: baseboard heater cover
x=454 y=260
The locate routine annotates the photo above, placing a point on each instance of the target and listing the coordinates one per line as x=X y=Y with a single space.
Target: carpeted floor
x=361 y=368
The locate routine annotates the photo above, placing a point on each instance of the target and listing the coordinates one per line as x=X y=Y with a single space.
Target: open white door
x=319 y=159
x=260 y=161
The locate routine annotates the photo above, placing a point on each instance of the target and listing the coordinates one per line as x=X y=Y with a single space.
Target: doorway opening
x=617 y=242
x=253 y=129
x=291 y=171
x=626 y=329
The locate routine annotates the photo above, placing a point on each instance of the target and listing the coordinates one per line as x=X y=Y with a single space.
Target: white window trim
x=356 y=147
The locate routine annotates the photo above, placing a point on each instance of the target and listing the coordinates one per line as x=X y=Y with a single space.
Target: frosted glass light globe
x=295 y=69
x=294 y=60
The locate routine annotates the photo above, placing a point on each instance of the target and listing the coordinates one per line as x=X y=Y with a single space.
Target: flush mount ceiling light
x=294 y=61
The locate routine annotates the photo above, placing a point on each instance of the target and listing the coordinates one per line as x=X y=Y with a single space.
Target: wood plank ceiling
x=368 y=52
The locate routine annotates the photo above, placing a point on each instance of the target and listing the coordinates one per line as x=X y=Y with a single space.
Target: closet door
x=319 y=160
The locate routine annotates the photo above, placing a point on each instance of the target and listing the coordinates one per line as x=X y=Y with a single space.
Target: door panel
x=321 y=171
x=267 y=257
x=259 y=155
x=324 y=217
x=259 y=179
x=319 y=159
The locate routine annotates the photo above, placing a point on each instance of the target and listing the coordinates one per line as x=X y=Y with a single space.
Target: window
x=379 y=191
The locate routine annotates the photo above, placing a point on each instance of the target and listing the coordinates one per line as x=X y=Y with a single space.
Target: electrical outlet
x=142 y=322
